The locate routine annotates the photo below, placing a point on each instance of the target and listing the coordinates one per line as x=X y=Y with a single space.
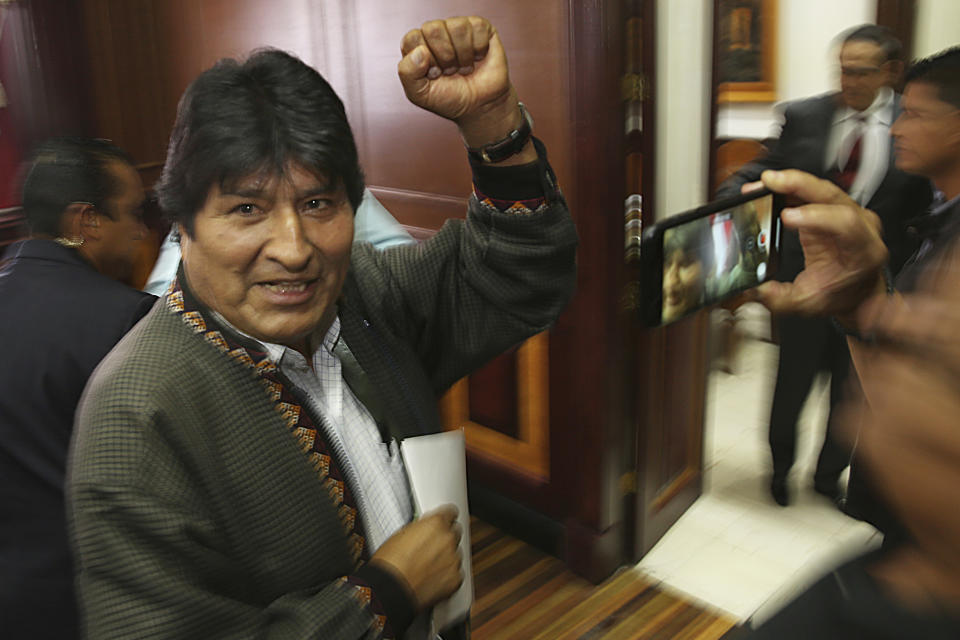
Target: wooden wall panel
x=126 y=61
x=401 y=145
x=901 y=17
x=12 y=226
x=44 y=70
x=494 y=395
x=521 y=453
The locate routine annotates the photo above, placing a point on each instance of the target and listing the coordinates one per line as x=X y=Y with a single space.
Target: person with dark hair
x=63 y=310
x=372 y=223
x=906 y=350
x=843 y=136
x=687 y=262
x=236 y=469
x=179 y=190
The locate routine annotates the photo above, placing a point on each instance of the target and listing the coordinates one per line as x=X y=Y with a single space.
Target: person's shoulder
x=129 y=407
x=125 y=296
x=99 y=290
x=107 y=307
x=155 y=353
x=811 y=104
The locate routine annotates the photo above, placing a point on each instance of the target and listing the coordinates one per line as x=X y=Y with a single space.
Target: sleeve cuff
x=529 y=185
x=389 y=598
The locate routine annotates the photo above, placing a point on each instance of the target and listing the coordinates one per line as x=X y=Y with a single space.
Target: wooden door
x=667 y=374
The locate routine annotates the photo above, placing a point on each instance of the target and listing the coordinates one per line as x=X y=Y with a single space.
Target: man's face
x=682 y=283
x=270 y=254
x=751 y=254
x=927 y=133
x=121 y=227
x=863 y=72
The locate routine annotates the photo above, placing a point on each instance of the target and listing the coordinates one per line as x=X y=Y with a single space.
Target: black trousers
x=807 y=346
x=847 y=604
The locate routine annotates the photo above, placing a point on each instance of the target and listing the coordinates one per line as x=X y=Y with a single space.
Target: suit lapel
x=822 y=133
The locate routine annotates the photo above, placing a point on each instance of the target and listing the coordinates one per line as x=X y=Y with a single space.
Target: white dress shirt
x=874 y=148
x=373 y=469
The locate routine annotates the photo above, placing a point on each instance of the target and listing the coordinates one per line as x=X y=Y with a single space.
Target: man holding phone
x=842 y=136
x=906 y=351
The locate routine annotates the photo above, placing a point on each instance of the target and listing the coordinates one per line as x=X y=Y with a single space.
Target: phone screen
x=709 y=258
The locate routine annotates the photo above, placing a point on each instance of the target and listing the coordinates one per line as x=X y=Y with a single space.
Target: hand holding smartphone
x=709 y=254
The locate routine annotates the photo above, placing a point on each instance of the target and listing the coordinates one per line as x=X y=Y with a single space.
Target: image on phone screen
x=707 y=259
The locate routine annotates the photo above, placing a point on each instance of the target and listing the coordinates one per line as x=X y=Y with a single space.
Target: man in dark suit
x=62 y=310
x=845 y=137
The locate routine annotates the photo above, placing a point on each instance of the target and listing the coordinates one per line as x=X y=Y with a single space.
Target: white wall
x=938 y=26
x=806 y=61
x=684 y=51
x=806 y=65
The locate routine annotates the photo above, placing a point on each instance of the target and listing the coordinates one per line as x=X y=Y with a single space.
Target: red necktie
x=844 y=176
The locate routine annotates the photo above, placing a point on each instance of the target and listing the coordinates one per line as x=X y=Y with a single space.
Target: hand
x=842 y=245
x=910 y=445
x=425 y=557
x=457 y=69
x=909 y=441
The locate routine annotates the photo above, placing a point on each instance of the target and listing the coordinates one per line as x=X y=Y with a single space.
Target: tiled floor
x=735 y=548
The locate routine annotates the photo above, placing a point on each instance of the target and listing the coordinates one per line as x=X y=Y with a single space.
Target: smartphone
x=701 y=257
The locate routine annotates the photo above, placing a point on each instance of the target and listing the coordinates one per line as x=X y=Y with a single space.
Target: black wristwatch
x=505 y=147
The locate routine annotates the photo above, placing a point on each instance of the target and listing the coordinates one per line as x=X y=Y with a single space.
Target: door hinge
x=628 y=483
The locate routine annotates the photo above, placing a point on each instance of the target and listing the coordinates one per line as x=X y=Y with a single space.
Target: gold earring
x=70 y=243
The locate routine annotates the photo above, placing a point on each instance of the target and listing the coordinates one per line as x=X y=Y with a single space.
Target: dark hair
x=941 y=70
x=62 y=171
x=883 y=37
x=694 y=239
x=237 y=119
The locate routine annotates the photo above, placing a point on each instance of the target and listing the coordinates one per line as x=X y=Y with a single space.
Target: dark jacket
x=802 y=144
x=863 y=501
x=58 y=318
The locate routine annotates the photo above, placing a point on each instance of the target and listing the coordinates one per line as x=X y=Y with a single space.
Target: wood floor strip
x=532 y=622
x=523 y=594
x=514 y=584
x=482 y=534
x=525 y=607
x=506 y=601
x=506 y=567
x=674 y=619
x=634 y=617
x=494 y=553
x=608 y=598
x=710 y=627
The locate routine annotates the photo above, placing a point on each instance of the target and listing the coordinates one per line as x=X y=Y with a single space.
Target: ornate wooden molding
x=530 y=451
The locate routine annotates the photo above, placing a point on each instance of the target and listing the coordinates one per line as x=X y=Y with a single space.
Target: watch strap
x=511 y=145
